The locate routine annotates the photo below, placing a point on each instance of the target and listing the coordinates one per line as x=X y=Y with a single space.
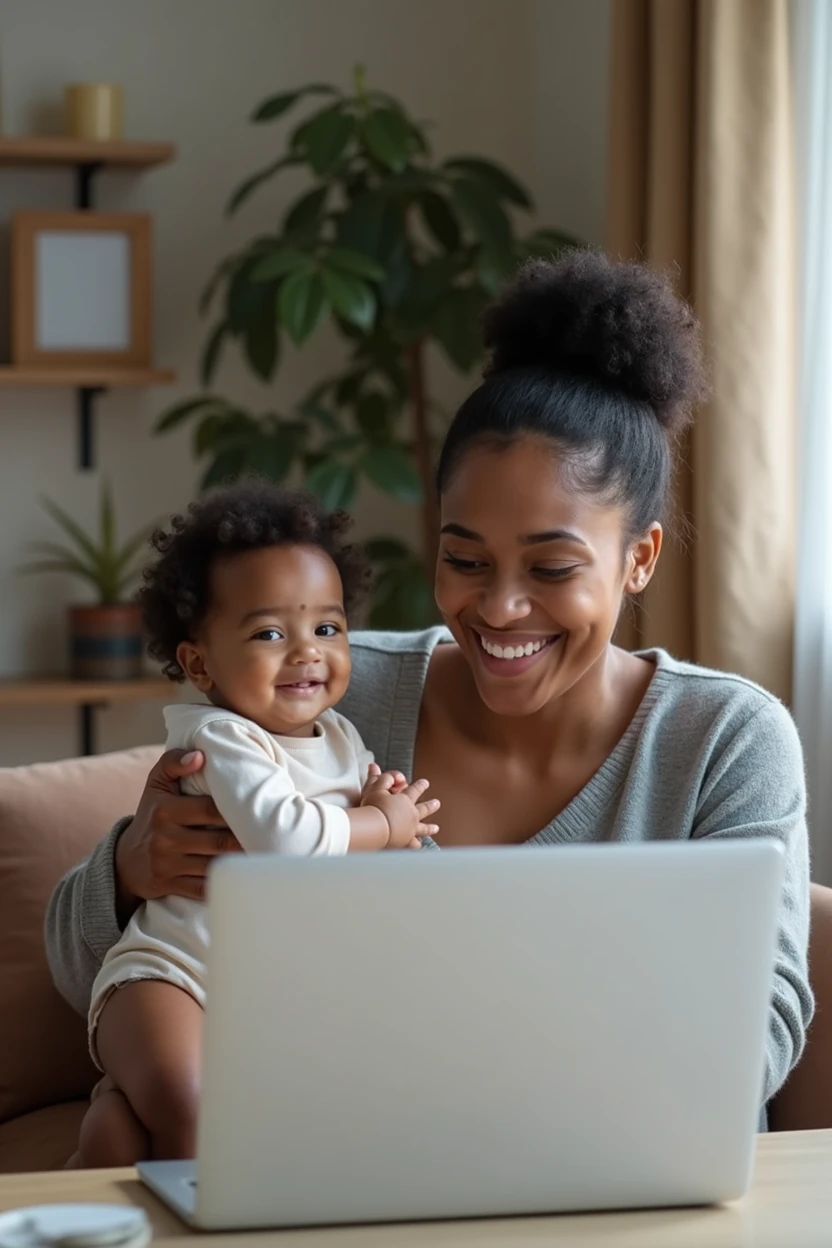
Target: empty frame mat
x=81 y=289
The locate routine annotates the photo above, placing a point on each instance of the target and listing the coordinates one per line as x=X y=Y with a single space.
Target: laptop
x=480 y=1032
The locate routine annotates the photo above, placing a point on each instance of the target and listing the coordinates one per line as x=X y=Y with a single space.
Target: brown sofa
x=51 y=814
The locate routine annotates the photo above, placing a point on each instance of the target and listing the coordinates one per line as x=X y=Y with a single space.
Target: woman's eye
x=463 y=565
x=555 y=574
x=268 y=634
x=327 y=630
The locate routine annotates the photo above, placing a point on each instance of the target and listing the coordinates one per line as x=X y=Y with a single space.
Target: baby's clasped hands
x=399 y=802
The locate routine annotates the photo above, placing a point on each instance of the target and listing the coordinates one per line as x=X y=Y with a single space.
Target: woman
x=530 y=724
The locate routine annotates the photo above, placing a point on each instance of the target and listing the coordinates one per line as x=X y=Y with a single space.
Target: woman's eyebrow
x=553 y=535
x=533 y=539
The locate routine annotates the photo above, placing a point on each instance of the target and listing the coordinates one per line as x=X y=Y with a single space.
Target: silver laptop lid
x=521 y=1030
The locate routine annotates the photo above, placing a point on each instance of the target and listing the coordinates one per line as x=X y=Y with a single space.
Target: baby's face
x=273 y=646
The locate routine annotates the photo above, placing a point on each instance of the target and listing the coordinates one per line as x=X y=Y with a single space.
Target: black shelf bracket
x=86 y=725
x=84 y=175
x=86 y=428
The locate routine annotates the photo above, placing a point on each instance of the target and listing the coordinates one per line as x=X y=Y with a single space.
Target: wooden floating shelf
x=119 y=154
x=85 y=377
x=55 y=691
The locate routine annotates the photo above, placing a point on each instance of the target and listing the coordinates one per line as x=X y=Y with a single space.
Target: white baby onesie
x=278 y=795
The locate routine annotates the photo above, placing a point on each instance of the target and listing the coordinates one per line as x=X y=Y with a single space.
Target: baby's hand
x=401 y=807
x=392 y=781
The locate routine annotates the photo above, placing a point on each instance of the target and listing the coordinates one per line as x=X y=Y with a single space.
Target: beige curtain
x=700 y=181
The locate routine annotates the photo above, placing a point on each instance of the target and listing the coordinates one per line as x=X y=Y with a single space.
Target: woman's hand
x=172 y=840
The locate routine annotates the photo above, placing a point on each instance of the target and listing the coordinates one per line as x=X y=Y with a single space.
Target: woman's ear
x=642 y=557
x=190 y=658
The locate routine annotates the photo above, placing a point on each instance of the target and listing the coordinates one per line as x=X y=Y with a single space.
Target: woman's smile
x=514 y=653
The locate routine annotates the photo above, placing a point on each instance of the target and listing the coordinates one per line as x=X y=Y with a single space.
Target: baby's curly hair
x=176 y=591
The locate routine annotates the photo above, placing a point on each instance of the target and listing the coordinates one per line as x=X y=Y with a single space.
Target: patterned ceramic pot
x=106 y=642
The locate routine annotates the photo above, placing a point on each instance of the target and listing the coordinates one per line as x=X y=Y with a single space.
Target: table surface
x=789 y=1206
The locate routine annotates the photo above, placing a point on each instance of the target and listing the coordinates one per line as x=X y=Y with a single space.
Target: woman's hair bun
x=621 y=325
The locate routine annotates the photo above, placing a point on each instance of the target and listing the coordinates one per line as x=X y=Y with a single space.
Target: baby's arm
x=260 y=802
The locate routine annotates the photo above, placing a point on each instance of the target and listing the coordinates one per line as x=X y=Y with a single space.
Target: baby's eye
x=327 y=630
x=268 y=634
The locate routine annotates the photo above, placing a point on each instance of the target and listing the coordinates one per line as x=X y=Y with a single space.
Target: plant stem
x=424 y=454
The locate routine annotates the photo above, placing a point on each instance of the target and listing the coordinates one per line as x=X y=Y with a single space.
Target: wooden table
x=789 y=1206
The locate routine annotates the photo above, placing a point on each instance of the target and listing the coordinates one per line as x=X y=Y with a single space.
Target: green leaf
x=321 y=416
x=209 y=432
x=279 y=263
x=355 y=263
x=108 y=522
x=335 y=484
x=374 y=225
x=180 y=412
x=68 y=566
x=273 y=454
x=403 y=597
x=323 y=139
x=430 y=284
x=399 y=274
x=219 y=274
x=211 y=354
x=456 y=326
x=348 y=387
x=242 y=291
x=276 y=105
x=387 y=137
x=73 y=530
x=440 y=220
x=501 y=183
x=301 y=304
x=227 y=466
x=350 y=297
x=483 y=216
x=305 y=213
x=247 y=188
x=261 y=343
x=492 y=269
x=386 y=550
x=391 y=470
x=136 y=543
x=410 y=181
x=343 y=444
x=373 y=415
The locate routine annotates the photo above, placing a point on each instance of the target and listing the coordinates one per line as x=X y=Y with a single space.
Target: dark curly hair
x=176 y=593
x=605 y=360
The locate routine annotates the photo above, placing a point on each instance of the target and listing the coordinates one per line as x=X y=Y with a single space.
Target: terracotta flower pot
x=106 y=642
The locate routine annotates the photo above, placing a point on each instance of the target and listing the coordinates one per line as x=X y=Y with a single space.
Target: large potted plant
x=398 y=251
x=105 y=637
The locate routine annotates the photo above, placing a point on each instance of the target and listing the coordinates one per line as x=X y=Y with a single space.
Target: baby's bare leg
x=149 y=1041
x=111 y=1135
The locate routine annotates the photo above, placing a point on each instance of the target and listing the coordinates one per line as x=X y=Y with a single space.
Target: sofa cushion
x=44 y=1140
x=51 y=816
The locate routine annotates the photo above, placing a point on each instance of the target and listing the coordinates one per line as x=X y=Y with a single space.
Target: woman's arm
x=165 y=848
x=756 y=788
x=81 y=923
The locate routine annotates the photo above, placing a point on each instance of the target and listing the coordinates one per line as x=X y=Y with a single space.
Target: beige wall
x=520 y=80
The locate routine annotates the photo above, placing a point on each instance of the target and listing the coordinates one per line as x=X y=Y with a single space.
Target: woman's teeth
x=513 y=652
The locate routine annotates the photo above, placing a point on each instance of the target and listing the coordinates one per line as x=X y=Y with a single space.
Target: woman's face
x=531 y=573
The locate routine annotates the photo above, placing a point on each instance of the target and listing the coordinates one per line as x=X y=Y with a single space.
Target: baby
x=248 y=599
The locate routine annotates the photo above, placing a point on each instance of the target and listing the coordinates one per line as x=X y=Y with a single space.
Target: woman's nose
x=503 y=604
